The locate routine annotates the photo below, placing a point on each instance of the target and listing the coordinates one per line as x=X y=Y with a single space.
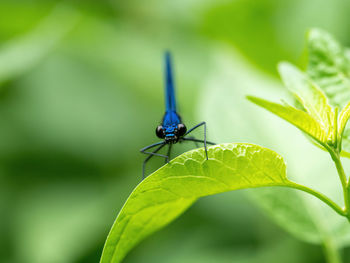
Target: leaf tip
x=252 y=98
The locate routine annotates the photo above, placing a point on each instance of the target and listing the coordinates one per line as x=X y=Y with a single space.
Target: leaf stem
x=320 y=196
x=331 y=251
x=345 y=184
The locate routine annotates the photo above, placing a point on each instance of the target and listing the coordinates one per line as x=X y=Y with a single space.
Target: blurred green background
x=82 y=92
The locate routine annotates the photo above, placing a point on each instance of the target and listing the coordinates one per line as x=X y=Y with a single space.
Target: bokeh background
x=82 y=92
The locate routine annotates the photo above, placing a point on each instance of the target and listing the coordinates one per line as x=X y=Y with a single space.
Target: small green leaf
x=298 y=118
x=168 y=192
x=343 y=118
x=329 y=66
x=309 y=96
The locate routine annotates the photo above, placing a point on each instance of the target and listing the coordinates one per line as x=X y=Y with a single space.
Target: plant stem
x=320 y=196
x=336 y=158
x=331 y=251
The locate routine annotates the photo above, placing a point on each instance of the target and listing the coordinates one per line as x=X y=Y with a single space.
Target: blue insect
x=172 y=130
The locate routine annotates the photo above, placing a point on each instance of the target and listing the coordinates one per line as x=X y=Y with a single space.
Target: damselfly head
x=171 y=134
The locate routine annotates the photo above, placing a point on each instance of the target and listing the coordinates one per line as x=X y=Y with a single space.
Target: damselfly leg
x=169 y=152
x=192 y=139
x=203 y=123
x=189 y=139
x=151 y=154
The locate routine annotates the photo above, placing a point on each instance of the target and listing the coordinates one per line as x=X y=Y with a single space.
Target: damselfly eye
x=160 y=132
x=181 y=129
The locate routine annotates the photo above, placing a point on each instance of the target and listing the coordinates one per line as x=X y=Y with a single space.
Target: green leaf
x=298 y=118
x=329 y=66
x=168 y=192
x=309 y=96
